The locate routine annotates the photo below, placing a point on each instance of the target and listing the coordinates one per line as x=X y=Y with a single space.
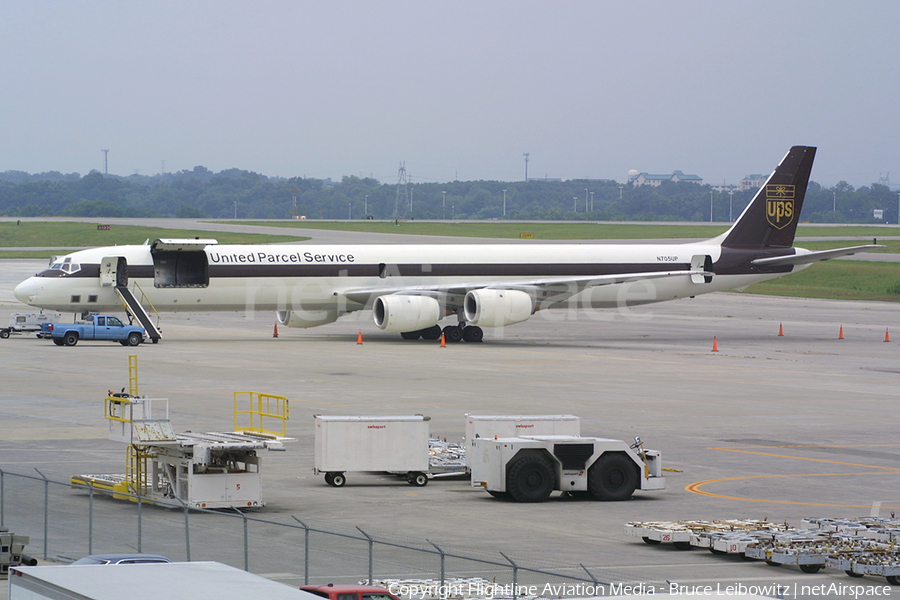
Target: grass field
x=38 y=234
x=839 y=279
x=551 y=230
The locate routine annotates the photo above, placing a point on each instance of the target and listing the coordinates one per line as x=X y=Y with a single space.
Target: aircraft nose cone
x=27 y=290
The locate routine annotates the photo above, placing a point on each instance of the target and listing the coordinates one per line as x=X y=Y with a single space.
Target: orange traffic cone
x=275 y=333
x=359 y=338
x=443 y=341
x=841 y=333
x=715 y=345
x=780 y=329
x=887 y=336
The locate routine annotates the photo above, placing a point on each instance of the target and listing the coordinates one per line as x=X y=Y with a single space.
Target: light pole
x=898 y=208
x=525 y=154
x=349 y=211
x=235 y=209
x=592 y=201
x=575 y=204
x=504 y=203
x=366 y=205
x=833 y=201
x=444 y=205
x=585 y=200
x=710 y=206
x=730 y=206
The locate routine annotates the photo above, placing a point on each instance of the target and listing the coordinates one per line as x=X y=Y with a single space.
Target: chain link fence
x=66 y=521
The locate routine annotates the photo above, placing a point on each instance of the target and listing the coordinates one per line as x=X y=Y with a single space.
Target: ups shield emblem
x=779 y=205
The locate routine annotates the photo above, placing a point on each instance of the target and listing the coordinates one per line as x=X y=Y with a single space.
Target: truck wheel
x=810 y=568
x=59 y=342
x=134 y=338
x=4 y=333
x=417 y=479
x=71 y=339
x=338 y=479
x=529 y=478
x=612 y=477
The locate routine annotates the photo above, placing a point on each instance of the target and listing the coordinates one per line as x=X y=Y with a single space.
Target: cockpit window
x=66 y=266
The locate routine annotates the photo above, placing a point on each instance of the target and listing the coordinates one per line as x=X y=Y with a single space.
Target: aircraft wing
x=811 y=257
x=554 y=289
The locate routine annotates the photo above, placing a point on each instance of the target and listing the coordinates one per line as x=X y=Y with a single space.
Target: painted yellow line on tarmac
x=68 y=373
x=695 y=487
x=822 y=460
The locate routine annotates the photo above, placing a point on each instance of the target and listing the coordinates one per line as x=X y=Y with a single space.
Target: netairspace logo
x=484 y=590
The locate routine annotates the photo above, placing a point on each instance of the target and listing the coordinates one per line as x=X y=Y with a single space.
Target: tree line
x=235 y=193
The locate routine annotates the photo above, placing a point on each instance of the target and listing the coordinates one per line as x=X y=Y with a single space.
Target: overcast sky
x=458 y=89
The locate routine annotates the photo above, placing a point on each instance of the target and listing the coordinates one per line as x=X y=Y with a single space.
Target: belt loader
x=530 y=468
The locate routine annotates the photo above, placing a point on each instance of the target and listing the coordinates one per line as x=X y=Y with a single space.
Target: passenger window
x=101 y=320
x=114 y=322
x=347 y=597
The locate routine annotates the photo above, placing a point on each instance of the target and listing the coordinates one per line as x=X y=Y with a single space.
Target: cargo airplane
x=411 y=288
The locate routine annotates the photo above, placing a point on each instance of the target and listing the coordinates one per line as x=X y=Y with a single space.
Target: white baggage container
x=396 y=444
x=505 y=426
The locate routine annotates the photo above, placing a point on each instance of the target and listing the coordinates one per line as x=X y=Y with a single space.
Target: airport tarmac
x=782 y=427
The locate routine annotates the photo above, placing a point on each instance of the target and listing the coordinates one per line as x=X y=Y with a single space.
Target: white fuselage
x=310 y=278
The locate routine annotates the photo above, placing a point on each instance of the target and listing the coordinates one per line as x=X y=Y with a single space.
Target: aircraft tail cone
x=443 y=341
x=359 y=338
x=275 y=332
x=887 y=336
x=841 y=333
x=780 y=329
x=715 y=345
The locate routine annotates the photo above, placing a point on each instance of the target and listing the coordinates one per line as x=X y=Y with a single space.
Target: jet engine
x=401 y=313
x=306 y=318
x=496 y=308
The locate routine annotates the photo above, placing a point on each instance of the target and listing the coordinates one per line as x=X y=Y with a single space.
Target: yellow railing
x=118 y=409
x=260 y=407
x=143 y=298
x=132 y=375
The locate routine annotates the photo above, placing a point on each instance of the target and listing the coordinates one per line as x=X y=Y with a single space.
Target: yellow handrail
x=262 y=406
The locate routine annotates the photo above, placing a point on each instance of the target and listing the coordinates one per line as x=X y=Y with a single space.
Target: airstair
x=135 y=308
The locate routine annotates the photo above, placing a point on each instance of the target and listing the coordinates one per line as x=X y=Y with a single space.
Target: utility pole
x=105 y=161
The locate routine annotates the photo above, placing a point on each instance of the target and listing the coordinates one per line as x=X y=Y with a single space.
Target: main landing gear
x=452 y=333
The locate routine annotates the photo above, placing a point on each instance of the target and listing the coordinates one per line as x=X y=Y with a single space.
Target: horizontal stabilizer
x=811 y=257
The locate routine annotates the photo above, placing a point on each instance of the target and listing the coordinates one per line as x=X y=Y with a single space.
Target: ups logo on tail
x=779 y=205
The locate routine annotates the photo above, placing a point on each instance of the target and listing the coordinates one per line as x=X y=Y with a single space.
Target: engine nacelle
x=496 y=308
x=306 y=318
x=400 y=313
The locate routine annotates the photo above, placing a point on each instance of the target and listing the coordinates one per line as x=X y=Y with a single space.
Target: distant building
x=655 y=180
x=753 y=181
